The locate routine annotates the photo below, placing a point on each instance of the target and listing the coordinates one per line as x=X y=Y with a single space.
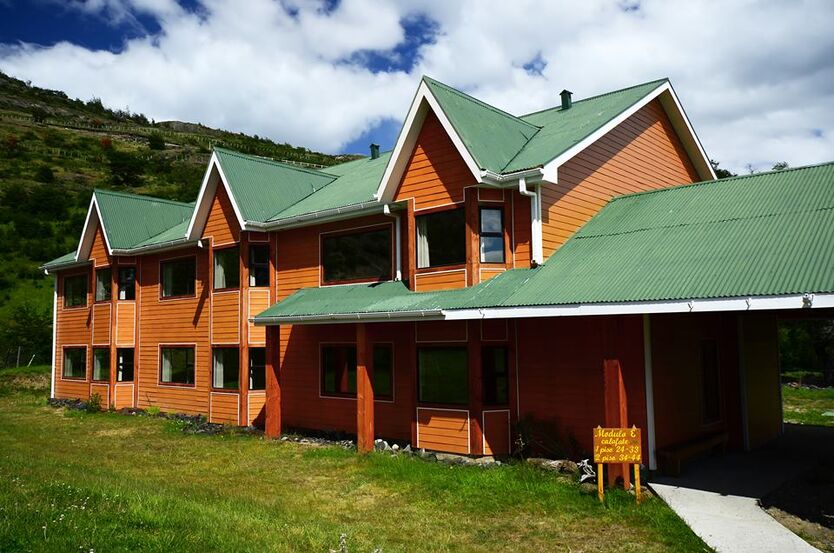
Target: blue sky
x=336 y=75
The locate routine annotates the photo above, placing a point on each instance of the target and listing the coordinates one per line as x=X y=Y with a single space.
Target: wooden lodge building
x=557 y=267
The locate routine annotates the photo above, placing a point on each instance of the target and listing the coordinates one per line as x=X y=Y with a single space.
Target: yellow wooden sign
x=617 y=445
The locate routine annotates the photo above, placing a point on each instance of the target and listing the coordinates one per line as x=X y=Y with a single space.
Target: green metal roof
x=131 y=220
x=66 y=259
x=765 y=234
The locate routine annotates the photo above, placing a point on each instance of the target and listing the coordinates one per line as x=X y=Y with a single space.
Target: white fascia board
x=794 y=301
x=204 y=199
x=407 y=138
x=88 y=233
x=699 y=157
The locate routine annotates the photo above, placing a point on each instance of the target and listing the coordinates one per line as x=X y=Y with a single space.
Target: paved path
x=718 y=497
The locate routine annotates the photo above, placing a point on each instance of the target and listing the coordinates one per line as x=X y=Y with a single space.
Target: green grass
x=72 y=481
x=806 y=406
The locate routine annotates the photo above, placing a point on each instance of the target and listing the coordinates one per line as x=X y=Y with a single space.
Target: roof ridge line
x=481 y=102
x=142 y=197
x=595 y=96
x=717 y=181
x=271 y=161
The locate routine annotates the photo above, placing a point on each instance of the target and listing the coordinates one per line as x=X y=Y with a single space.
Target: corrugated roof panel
x=130 y=219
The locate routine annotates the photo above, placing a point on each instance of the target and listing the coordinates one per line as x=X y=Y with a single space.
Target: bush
x=156 y=142
x=94 y=403
x=44 y=174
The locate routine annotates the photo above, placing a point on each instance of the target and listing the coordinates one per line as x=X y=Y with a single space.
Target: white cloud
x=756 y=77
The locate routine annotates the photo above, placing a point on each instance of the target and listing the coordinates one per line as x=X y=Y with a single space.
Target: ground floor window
x=338 y=370
x=383 y=371
x=177 y=365
x=710 y=383
x=257 y=368
x=124 y=365
x=495 y=376
x=443 y=375
x=101 y=364
x=226 y=368
x=75 y=363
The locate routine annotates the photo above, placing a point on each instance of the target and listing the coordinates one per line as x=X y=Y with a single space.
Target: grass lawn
x=72 y=481
x=806 y=406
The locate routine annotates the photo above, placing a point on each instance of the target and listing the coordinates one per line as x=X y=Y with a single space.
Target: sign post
x=617 y=446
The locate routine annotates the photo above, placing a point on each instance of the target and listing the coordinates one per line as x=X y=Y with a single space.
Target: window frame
x=424 y=403
x=162 y=262
x=223 y=250
x=460 y=207
x=249 y=368
x=132 y=365
x=96 y=350
x=253 y=264
x=109 y=298
x=323 y=236
x=64 y=362
x=193 y=348
x=482 y=234
x=214 y=351
x=119 y=283
x=86 y=278
x=484 y=349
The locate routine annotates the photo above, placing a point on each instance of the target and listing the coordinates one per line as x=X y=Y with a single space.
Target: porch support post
x=649 y=380
x=364 y=393
x=616 y=413
x=476 y=432
x=273 y=382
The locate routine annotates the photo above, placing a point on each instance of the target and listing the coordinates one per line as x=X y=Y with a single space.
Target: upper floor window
x=492 y=235
x=356 y=256
x=178 y=277
x=75 y=291
x=127 y=283
x=104 y=281
x=258 y=265
x=441 y=238
x=227 y=268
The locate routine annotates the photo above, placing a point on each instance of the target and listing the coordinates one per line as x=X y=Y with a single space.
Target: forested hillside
x=53 y=151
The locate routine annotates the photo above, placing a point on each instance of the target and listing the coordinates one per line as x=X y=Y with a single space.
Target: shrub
x=94 y=403
x=44 y=174
x=106 y=143
x=153 y=410
x=156 y=142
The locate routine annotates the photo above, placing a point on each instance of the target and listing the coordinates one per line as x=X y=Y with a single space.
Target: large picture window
x=75 y=363
x=101 y=364
x=177 y=277
x=177 y=365
x=441 y=238
x=104 y=284
x=227 y=268
x=258 y=265
x=357 y=256
x=492 y=235
x=226 y=368
x=257 y=368
x=443 y=375
x=124 y=365
x=75 y=291
x=710 y=383
x=495 y=375
x=127 y=283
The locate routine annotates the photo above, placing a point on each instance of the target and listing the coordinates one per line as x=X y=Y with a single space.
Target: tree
x=719 y=172
x=125 y=168
x=155 y=141
x=30 y=329
x=780 y=166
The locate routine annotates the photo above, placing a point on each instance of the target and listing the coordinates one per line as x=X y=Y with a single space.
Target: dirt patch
x=816 y=534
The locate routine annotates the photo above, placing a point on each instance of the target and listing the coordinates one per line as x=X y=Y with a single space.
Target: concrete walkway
x=718 y=497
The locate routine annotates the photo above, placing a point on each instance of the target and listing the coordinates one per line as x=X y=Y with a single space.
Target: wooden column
x=243 y=346
x=114 y=296
x=476 y=402
x=364 y=392
x=616 y=413
x=273 y=382
x=473 y=246
x=409 y=253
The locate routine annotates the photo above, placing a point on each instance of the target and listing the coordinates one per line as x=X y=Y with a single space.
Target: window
x=441 y=238
x=177 y=366
x=710 y=383
x=75 y=291
x=124 y=365
x=127 y=283
x=226 y=373
x=494 y=375
x=257 y=368
x=227 y=268
x=443 y=375
x=383 y=371
x=101 y=364
x=75 y=363
x=357 y=256
x=259 y=265
x=492 y=235
x=338 y=370
x=104 y=281
x=178 y=277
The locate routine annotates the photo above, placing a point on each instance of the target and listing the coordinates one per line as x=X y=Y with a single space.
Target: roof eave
x=329 y=318
x=50 y=269
x=161 y=247
x=322 y=216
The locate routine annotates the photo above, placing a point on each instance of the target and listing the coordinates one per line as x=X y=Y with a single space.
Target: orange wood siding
x=642 y=153
x=435 y=174
x=225 y=317
x=103 y=391
x=258 y=302
x=487 y=274
x=521 y=231
x=443 y=430
x=123 y=395
x=74 y=329
x=257 y=401
x=98 y=252
x=222 y=224
x=442 y=280
x=125 y=323
x=495 y=330
x=181 y=321
x=489 y=195
x=497 y=432
x=101 y=324
x=441 y=331
x=224 y=407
